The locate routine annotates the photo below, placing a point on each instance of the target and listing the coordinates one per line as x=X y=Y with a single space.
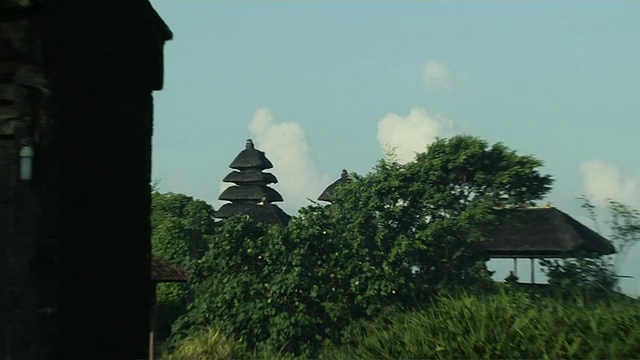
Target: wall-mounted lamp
x=26 y=159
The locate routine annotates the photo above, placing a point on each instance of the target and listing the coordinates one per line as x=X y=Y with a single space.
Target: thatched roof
x=250 y=178
x=267 y=213
x=543 y=232
x=163 y=271
x=251 y=158
x=328 y=193
x=250 y=193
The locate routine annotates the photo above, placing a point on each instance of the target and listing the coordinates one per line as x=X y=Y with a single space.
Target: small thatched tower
x=328 y=193
x=251 y=194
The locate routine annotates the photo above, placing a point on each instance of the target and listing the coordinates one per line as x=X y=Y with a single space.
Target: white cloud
x=603 y=180
x=411 y=134
x=436 y=74
x=285 y=145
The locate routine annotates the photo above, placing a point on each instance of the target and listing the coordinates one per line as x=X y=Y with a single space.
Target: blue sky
x=322 y=86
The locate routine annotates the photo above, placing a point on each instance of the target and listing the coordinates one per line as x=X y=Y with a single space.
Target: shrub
x=580 y=275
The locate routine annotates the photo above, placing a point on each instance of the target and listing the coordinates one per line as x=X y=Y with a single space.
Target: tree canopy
x=601 y=274
x=391 y=238
x=180 y=231
x=180 y=227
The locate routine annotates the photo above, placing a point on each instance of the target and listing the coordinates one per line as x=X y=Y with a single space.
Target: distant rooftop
x=330 y=191
x=543 y=232
x=164 y=271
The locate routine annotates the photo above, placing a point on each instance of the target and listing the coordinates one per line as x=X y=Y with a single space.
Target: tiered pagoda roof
x=251 y=194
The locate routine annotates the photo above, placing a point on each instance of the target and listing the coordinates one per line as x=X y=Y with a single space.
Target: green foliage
x=464 y=167
x=180 y=227
x=624 y=222
x=591 y=275
x=391 y=239
x=507 y=325
x=209 y=343
x=229 y=282
x=267 y=286
x=180 y=230
x=411 y=229
x=625 y=228
x=204 y=343
x=580 y=275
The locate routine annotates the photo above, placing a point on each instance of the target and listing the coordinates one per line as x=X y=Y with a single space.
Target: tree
x=269 y=287
x=391 y=238
x=180 y=229
x=588 y=274
x=625 y=229
x=624 y=224
x=410 y=229
x=581 y=275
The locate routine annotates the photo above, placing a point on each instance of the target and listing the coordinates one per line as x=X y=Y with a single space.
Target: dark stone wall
x=26 y=266
x=8 y=166
x=75 y=240
x=26 y=295
x=100 y=57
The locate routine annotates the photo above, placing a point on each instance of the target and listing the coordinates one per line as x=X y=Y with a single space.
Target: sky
x=326 y=86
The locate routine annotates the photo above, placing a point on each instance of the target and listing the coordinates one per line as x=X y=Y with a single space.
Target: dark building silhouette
x=251 y=194
x=76 y=83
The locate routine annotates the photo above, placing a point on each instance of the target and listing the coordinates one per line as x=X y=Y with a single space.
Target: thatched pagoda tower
x=251 y=194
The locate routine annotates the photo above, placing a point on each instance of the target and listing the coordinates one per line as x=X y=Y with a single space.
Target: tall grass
x=506 y=325
x=510 y=325
x=209 y=343
x=202 y=344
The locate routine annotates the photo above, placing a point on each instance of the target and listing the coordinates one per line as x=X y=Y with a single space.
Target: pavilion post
x=532 y=270
x=515 y=266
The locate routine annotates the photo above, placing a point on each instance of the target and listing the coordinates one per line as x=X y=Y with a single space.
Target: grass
x=209 y=343
x=501 y=326
x=206 y=343
x=510 y=324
